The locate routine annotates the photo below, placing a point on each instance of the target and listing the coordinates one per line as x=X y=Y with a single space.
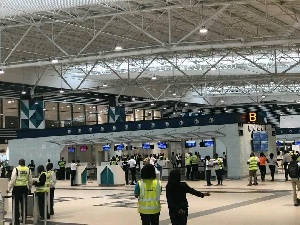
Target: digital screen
x=256 y=136
x=190 y=144
x=119 y=147
x=106 y=147
x=263 y=136
x=278 y=143
x=264 y=146
x=297 y=143
x=83 y=148
x=256 y=146
x=146 y=146
x=162 y=145
x=208 y=143
x=71 y=149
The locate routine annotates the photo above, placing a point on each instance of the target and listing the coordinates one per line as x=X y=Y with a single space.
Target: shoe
x=249 y=184
x=296 y=204
x=255 y=184
x=209 y=185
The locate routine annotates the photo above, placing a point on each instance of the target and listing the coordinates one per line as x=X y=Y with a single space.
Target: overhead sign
x=254 y=117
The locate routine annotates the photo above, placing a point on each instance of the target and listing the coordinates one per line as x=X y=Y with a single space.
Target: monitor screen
x=71 y=149
x=256 y=146
x=119 y=147
x=264 y=146
x=106 y=147
x=162 y=145
x=263 y=136
x=146 y=146
x=208 y=143
x=297 y=142
x=190 y=144
x=256 y=136
x=278 y=143
x=83 y=148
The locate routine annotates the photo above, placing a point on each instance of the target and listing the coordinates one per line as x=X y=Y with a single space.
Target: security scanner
x=110 y=175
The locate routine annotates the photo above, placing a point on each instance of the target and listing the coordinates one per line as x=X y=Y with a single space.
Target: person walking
x=218 y=165
x=52 y=177
x=286 y=160
x=294 y=173
x=148 y=191
x=73 y=172
x=272 y=162
x=174 y=160
x=42 y=189
x=194 y=163
x=253 y=163
x=125 y=167
x=176 y=197
x=62 y=169
x=20 y=184
x=188 y=165
x=262 y=166
x=208 y=167
x=132 y=169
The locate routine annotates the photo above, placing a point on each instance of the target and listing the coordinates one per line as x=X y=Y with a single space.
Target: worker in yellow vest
x=253 y=163
x=20 y=184
x=219 y=168
x=113 y=161
x=52 y=177
x=148 y=191
x=188 y=165
x=42 y=189
x=194 y=165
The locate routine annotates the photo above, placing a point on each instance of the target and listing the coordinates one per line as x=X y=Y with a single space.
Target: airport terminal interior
x=183 y=85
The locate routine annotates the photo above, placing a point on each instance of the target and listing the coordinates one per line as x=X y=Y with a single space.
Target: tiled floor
x=232 y=204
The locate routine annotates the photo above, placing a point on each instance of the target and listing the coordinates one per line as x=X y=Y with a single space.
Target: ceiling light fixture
x=222 y=101
x=118 y=48
x=152 y=104
x=154 y=77
x=54 y=61
x=1 y=71
x=174 y=94
x=165 y=108
x=213 y=68
x=61 y=91
x=97 y=99
x=105 y=85
x=203 y=30
x=23 y=92
x=263 y=96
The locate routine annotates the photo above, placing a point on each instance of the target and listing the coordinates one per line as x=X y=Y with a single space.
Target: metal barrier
x=36 y=211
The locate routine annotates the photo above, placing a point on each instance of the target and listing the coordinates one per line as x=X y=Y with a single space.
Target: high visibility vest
x=149 y=198
x=46 y=186
x=49 y=173
x=298 y=159
x=220 y=164
x=62 y=164
x=194 y=159
x=113 y=163
x=253 y=163
x=22 y=176
x=188 y=160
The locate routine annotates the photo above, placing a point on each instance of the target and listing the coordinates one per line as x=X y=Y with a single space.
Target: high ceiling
x=249 y=54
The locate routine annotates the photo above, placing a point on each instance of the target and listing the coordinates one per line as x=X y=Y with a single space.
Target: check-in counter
x=81 y=175
x=110 y=175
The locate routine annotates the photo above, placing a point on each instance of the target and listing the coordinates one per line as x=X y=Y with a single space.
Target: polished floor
x=234 y=203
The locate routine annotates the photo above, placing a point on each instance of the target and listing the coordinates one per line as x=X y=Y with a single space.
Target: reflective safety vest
x=113 y=163
x=22 y=176
x=62 y=164
x=194 y=159
x=220 y=164
x=149 y=198
x=253 y=163
x=49 y=173
x=188 y=160
x=46 y=186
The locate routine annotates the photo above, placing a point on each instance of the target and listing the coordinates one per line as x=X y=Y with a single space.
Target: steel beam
x=62 y=77
x=254 y=63
x=86 y=75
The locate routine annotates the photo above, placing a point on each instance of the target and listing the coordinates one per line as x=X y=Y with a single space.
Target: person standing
x=272 y=161
x=148 y=191
x=286 y=160
x=31 y=166
x=294 y=173
x=176 y=197
x=42 y=189
x=132 y=168
x=188 y=165
x=208 y=167
x=113 y=161
x=218 y=165
x=194 y=163
x=173 y=160
x=125 y=167
x=52 y=177
x=262 y=166
x=253 y=163
x=62 y=169
x=20 y=184
x=73 y=172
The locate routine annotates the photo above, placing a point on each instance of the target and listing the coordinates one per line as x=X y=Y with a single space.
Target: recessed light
x=165 y=108
x=174 y=94
x=61 y=91
x=105 y=85
x=154 y=77
x=54 y=61
x=23 y=92
x=152 y=104
x=97 y=99
x=203 y=30
x=118 y=48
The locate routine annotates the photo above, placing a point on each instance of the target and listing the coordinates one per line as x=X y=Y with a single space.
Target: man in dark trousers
x=62 y=169
x=20 y=184
x=125 y=167
x=31 y=166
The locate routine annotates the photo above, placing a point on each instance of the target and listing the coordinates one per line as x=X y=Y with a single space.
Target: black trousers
x=73 y=174
x=18 y=193
x=179 y=219
x=286 y=172
x=62 y=173
x=272 y=169
x=133 y=175
x=150 y=219
x=126 y=176
x=194 y=171
x=262 y=169
x=208 y=177
x=188 y=171
x=52 y=201
x=41 y=202
x=219 y=174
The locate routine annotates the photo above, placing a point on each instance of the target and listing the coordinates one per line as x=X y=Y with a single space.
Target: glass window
x=102 y=114
x=129 y=115
x=78 y=115
x=157 y=115
x=148 y=115
x=11 y=113
x=139 y=114
x=65 y=115
x=91 y=114
x=51 y=115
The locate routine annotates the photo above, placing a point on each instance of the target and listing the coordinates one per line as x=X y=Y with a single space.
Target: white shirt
x=208 y=164
x=14 y=178
x=152 y=161
x=73 y=166
x=272 y=162
x=132 y=163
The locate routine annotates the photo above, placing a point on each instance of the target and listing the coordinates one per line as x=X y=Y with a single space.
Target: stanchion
x=24 y=210
x=13 y=210
x=45 y=208
x=35 y=209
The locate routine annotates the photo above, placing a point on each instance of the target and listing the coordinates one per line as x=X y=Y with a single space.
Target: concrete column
x=215 y=146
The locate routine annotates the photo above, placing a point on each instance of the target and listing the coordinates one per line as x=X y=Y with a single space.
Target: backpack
x=293 y=168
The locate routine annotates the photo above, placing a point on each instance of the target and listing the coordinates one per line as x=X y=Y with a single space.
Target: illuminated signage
x=252 y=117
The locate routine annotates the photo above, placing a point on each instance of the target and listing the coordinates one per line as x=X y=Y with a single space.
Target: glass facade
x=67 y=115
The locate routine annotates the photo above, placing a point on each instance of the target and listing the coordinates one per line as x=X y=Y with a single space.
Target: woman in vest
x=148 y=191
x=176 y=196
x=42 y=188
